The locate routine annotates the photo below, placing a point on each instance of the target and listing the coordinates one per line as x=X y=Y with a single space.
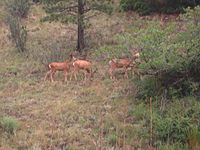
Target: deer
x=58 y=66
x=124 y=63
x=82 y=65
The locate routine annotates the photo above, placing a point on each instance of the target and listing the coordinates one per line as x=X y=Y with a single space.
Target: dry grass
x=57 y=116
x=60 y=115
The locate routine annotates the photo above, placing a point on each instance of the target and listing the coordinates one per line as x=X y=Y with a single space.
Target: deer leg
x=126 y=72
x=52 y=75
x=88 y=71
x=85 y=74
x=72 y=72
x=65 y=76
x=47 y=75
x=111 y=73
x=75 y=74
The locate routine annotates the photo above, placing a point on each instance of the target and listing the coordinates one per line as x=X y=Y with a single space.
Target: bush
x=145 y=7
x=18 y=8
x=171 y=128
x=170 y=59
x=54 y=52
x=18 y=33
x=193 y=138
x=142 y=8
x=174 y=125
x=139 y=6
x=8 y=125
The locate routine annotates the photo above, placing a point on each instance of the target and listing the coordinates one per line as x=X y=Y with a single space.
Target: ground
x=71 y=115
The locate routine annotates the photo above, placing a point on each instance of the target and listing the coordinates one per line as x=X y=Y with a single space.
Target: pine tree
x=77 y=12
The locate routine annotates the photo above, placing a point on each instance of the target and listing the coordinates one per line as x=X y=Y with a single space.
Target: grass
x=58 y=114
x=73 y=115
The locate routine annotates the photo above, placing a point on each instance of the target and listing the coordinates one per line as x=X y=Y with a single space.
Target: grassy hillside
x=76 y=115
x=73 y=115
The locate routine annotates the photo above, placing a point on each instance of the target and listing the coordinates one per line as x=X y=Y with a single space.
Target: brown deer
x=58 y=66
x=122 y=63
x=82 y=65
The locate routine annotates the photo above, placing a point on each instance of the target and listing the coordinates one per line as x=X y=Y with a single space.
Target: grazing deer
x=82 y=65
x=122 y=63
x=57 y=66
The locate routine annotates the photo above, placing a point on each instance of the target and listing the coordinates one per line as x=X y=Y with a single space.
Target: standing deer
x=57 y=66
x=82 y=65
x=122 y=63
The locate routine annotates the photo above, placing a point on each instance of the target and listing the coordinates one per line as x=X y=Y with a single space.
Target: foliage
x=18 y=8
x=75 y=12
x=120 y=48
x=144 y=7
x=56 y=51
x=171 y=58
x=139 y=112
x=193 y=138
x=140 y=6
x=171 y=128
x=174 y=125
x=112 y=139
x=18 y=33
x=8 y=125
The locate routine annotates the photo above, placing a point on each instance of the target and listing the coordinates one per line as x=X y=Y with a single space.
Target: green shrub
x=142 y=8
x=145 y=7
x=171 y=128
x=170 y=59
x=8 y=125
x=193 y=138
x=140 y=112
x=126 y=5
x=173 y=124
x=112 y=139
x=18 y=33
x=139 y=6
x=18 y=8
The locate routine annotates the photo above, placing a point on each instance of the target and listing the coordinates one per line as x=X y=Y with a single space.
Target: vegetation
x=17 y=9
x=76 y=12
x=157 y=109
x=8 y=125
x=144 y=7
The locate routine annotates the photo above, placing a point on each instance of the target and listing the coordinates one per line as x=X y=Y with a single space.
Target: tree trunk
x=80 y=41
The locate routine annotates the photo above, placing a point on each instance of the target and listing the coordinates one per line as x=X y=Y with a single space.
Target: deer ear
x=74 y=58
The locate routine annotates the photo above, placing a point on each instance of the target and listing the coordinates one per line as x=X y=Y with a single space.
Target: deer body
x=81 y=65
x=57 y=66
x=123 y=63
x=120 y=63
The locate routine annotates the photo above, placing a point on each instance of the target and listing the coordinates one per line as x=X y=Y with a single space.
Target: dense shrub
x=18 y=8
x=171 y=58
x=174 y=124
x=139 y=6
x=18 y=33
x=166 y=6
